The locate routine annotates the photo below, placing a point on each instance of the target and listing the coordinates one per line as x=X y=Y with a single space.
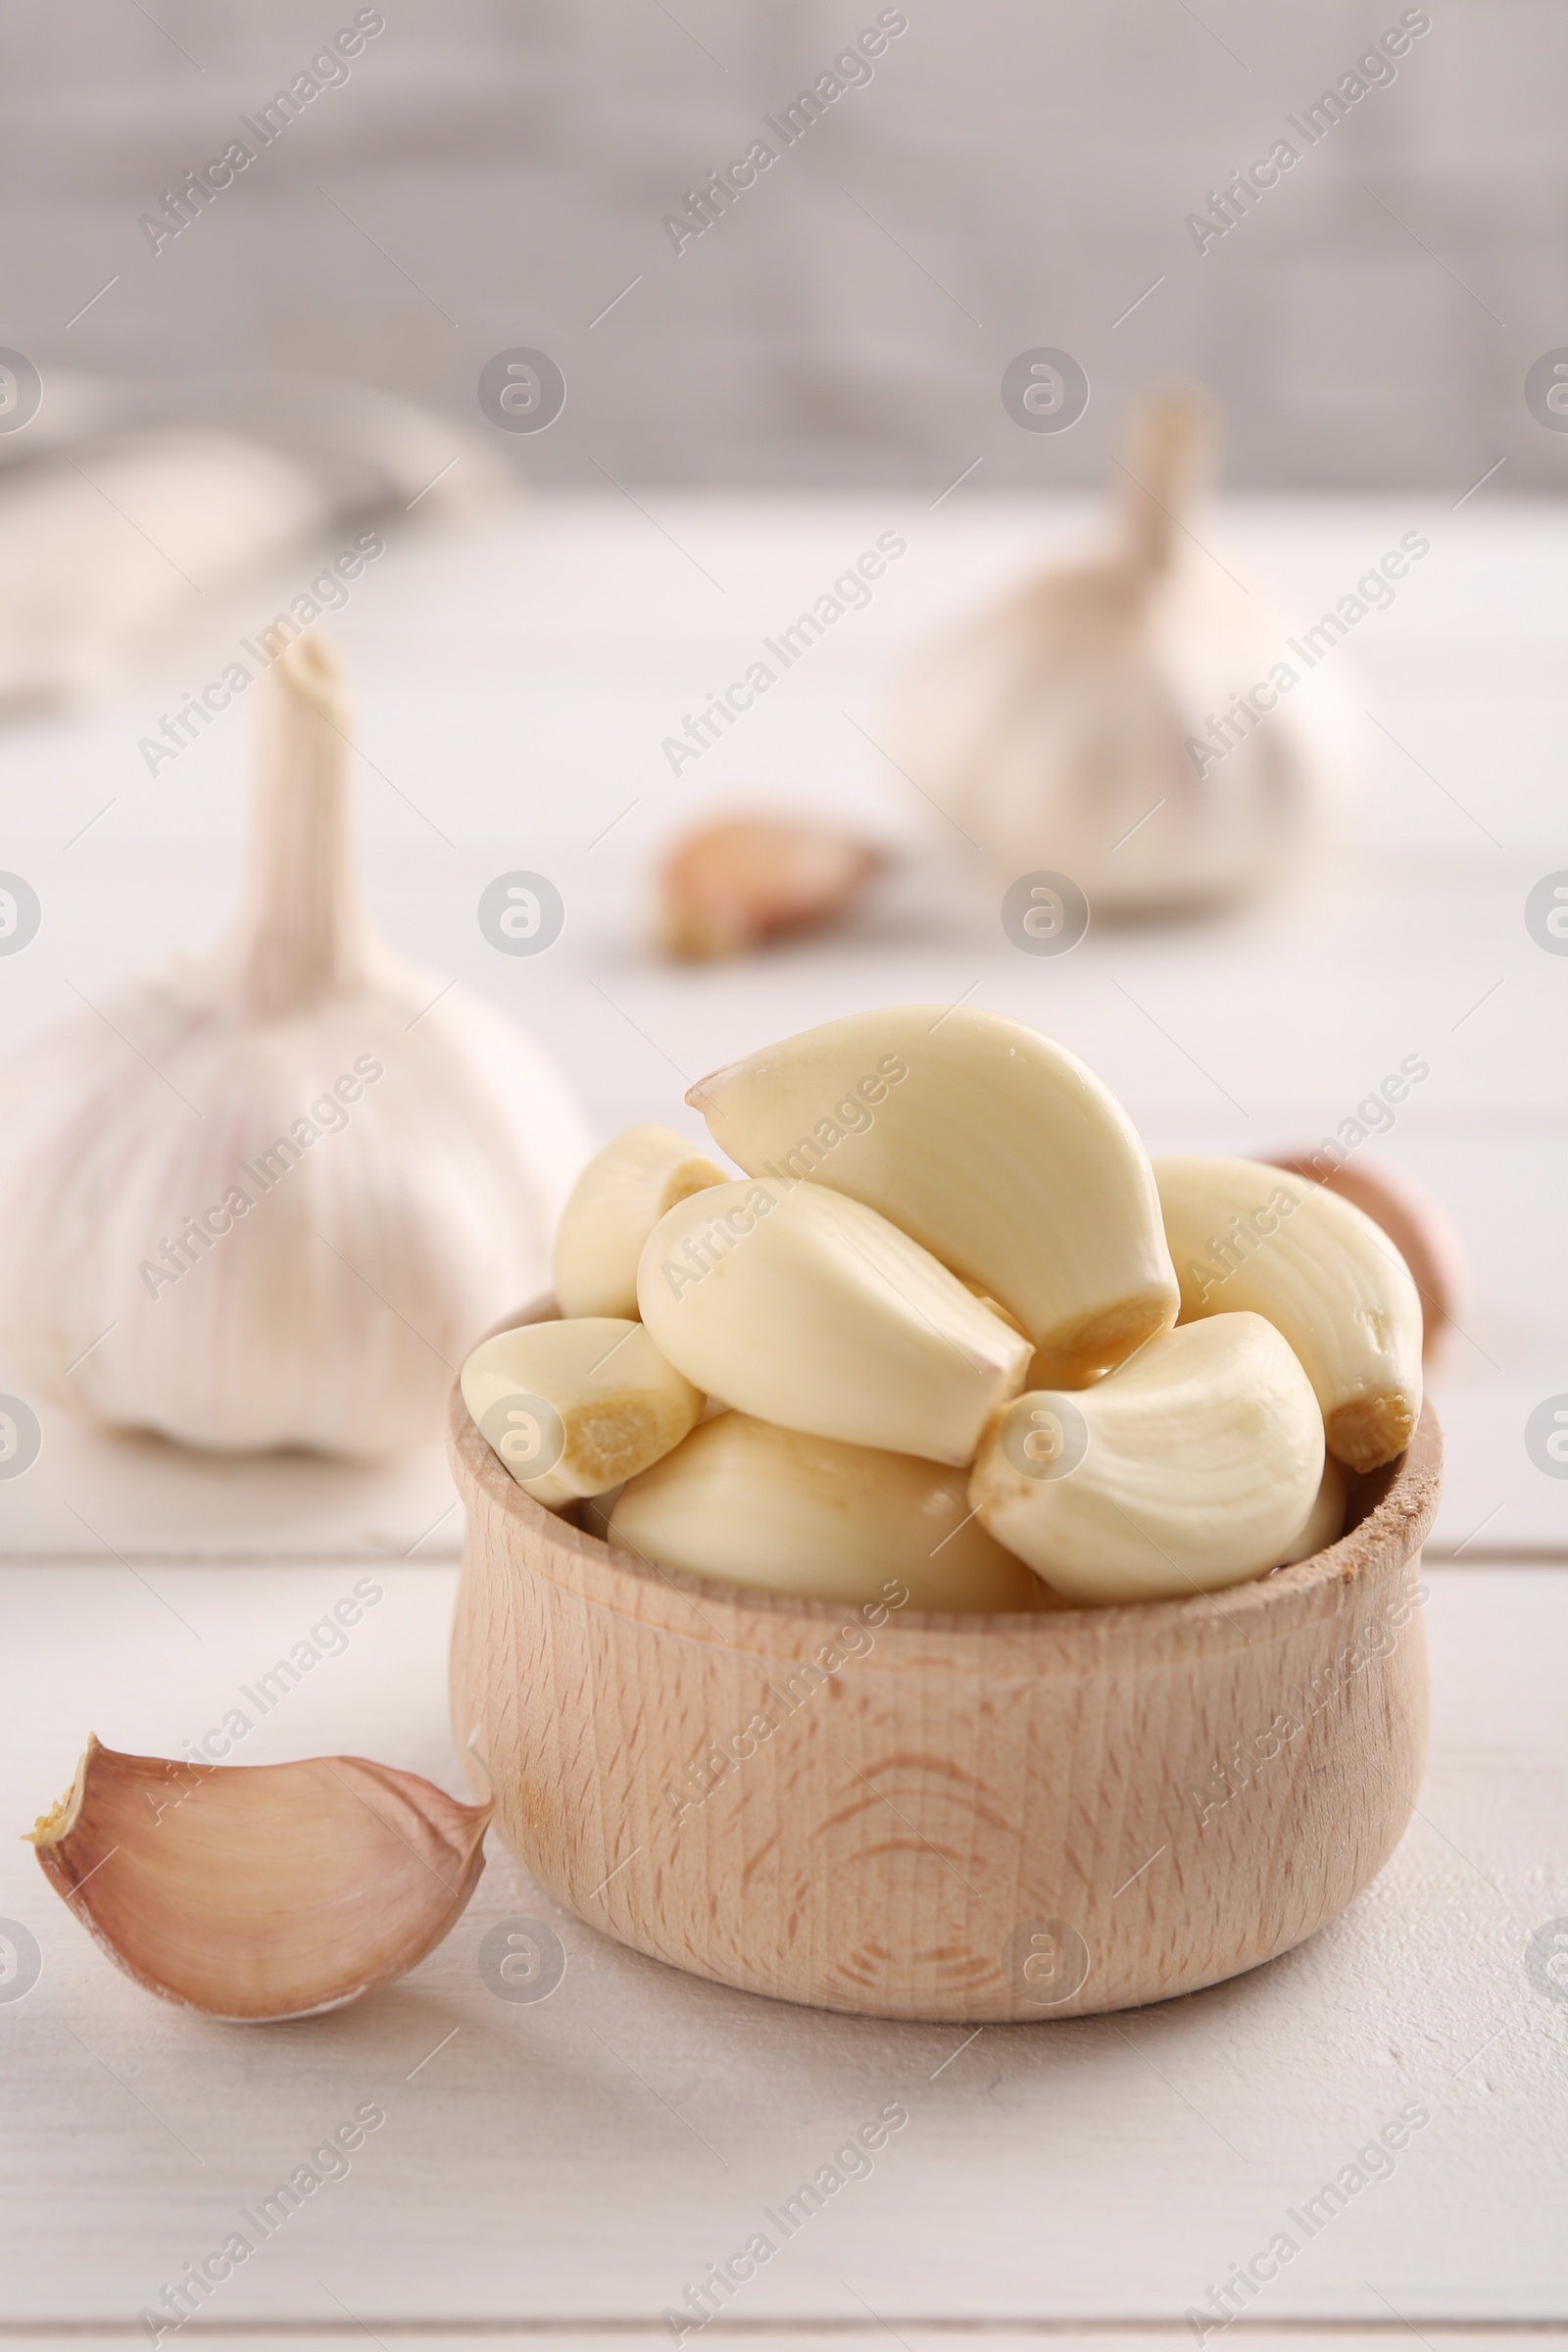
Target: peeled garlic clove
x=991 y=1146
x=1325 y=1521
x=614 y=1206
x=269 y=1196
x=1191 y=1468
x=1247 y=1234
x=756 y=1504
x=1096 y=725
x=261 y=1892
x=1416 y=1226
x=734 y=886
x=805 y=1308
x=574 y=1408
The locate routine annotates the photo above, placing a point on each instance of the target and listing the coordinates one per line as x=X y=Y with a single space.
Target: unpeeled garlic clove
x=755 y=1504
x=992 y=1146
x=801 y=1306
x=1192 y=1467
x=614 y=1206
x=261 y=1892
x=1416 y=1226
x=1095 y=724
x=1325 y=1521
x=574 y=1408
x=1247 y=1234
x=734 y=886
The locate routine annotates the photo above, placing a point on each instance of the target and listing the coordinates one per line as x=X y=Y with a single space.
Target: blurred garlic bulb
x=1096 y=725
x=271 y=1195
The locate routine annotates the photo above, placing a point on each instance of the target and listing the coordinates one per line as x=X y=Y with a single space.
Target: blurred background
x=489 y=176
x=733 y=389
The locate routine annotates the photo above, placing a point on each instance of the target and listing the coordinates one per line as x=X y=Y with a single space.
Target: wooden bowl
x=956 y=1818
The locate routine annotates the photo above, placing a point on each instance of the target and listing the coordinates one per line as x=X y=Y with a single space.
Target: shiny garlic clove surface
x=988 y=1143
x=756 y=1504
x=1325 y=1521
x=1421 y=1232
x=262 y=1892
x=614 y=1206
x=1245 y=1235
x=265 y=1196
x=1191 y=1468
x=800 y=1305
x=574 y=1408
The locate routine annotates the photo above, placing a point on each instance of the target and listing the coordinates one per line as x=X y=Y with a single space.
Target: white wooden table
x=561 y=2172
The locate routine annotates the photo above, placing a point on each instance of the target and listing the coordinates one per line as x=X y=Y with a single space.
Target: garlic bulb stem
x=1169 y=445
x=302 y=933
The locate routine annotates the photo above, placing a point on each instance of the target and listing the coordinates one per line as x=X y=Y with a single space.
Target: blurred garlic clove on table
x=734 y=886
x=270 y=1195
x=1099 y=725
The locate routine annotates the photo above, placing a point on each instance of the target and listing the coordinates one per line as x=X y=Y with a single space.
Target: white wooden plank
x=91 y=1494
x=586 y=2158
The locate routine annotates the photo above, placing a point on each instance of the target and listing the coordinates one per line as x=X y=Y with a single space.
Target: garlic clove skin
x=574 y=1408
x=733 y=887
x=801 y=1306
x=1325 y=1521
x=1191 y=1468
x=1245 y=1235
x=1070 y=730
x=262 y=1892
x=755 y=1504
x=292 y=1181
x=990 y=1144
x=614 y=1206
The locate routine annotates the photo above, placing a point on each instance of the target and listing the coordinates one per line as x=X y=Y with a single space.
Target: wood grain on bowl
x=942 y=1817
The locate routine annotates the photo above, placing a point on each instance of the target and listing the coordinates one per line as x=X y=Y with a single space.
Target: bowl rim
x=1399 y=1504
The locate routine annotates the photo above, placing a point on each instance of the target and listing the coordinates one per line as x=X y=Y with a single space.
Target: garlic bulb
x=1097 y=724
x=271 y=1195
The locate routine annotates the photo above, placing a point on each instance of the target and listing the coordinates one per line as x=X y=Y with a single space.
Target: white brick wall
x=1033 y=159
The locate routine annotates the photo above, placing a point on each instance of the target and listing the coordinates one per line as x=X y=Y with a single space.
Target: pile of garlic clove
x=952 y=1325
